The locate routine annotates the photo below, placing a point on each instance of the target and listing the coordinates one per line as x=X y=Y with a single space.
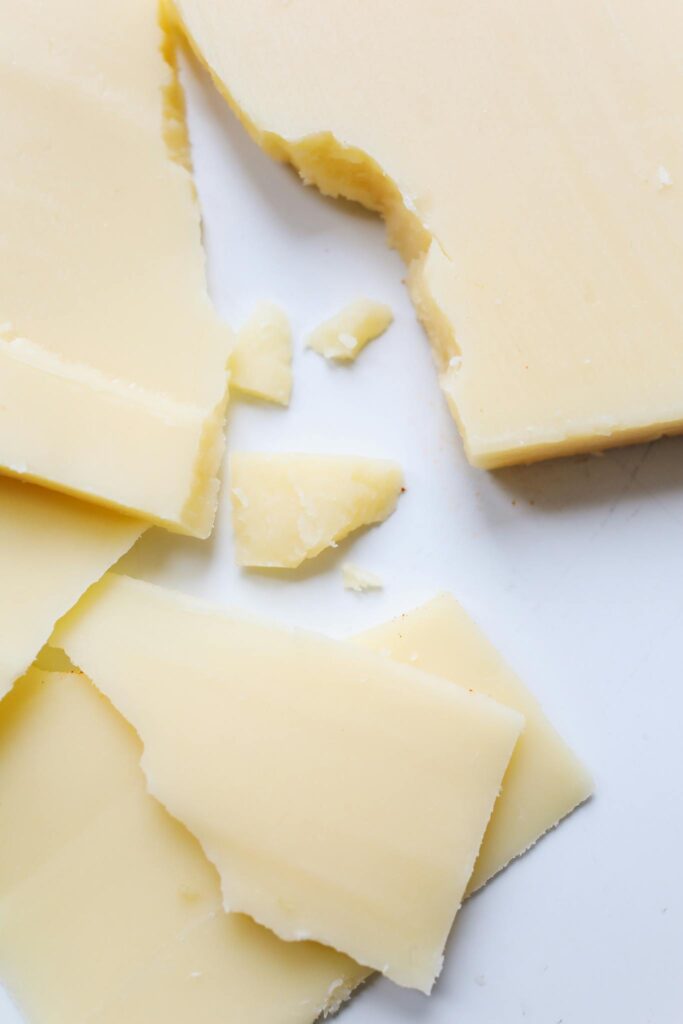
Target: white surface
x=574 y=569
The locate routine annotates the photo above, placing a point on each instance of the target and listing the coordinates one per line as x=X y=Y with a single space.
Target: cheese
x=113 y=376
x=261 y=362
x=289 y=507
x=359 y=579
x=344 y=335
x=110 y=911
x=544 y=780
x=513 y=150
x=52 y=548
x=342 y=797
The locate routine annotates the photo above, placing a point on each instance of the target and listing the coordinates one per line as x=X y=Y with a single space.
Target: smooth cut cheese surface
x=342 y=796
x=113 y=363
x=344 y=335
x=544 y=780
x=529 y=161
x=110 y=911
x=52 y=547
x=261 y=361
x=290 y=507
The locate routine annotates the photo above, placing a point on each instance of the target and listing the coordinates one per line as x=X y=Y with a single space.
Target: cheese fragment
x=113 y=363
x=52 y=548
x=544 y=780
x=342 y=797
x=110 y=911
x=512 y=149
x=346 y=334
x=359 y=579
x=261 y=362
x=289 y=507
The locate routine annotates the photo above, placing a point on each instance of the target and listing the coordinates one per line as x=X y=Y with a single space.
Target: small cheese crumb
x=346 y=334
x=360 y=579
x=664 y=179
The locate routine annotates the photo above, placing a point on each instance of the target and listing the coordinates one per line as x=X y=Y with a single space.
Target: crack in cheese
x=110 y=911
x=347 y=333
x=342 y=797
x=516 y=151
x=113 y=378
x=261 y=361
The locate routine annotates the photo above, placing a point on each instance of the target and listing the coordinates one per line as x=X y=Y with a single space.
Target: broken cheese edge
x=344 y=335
x=371 y=852
x=261 y=361
x=359 y=579
x=287 y=507
x=110 y=910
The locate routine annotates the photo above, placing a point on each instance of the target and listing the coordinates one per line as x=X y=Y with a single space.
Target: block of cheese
x=110 y=911
x=359 y=579
x=343 y=336
x=544 y=780
x=261 y=361
x=52 y=547
x=528 y=160
x=113 y=363
x=342 y=796
x=289 y=507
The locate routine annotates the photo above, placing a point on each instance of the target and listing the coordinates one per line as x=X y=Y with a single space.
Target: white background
x=573 y=568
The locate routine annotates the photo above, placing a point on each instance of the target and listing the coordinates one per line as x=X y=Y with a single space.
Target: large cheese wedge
x=544 y=780
x=110 y=911
x=528 y=159
x=52 y=548
x=113 y=362
x=290 y=507
x=342 y=796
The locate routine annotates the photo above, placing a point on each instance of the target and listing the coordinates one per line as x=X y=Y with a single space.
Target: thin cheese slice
x=113 y=375
x=289 y=507
x=343 y=336
x=261 y=362
x=528 y=160
x=342 y=797
x=52 y=548
x=110 y=911
x=544 y=780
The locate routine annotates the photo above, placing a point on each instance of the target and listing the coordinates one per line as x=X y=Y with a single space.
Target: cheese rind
x=544 y=780
x=353 y=792
x=261 y=361
x=110 y=910
x=344 y=335
x=290 y=507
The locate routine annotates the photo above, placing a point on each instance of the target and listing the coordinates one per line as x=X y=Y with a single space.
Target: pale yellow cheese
x=342 y=797
x=113 y=376
x=528 y=159
x=343 y=336
x=110 y=911
x=289 y=507
x=544 y=780
x=261 y=361
x=52 y=548
x=359 y=579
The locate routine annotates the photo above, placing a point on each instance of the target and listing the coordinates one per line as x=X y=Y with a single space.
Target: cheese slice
x=110 y=911
x=261 y=361
x=52 y=548
x=544 y=780
x=343 y=336
x=528 y=160
x=289 y=507
x=113 y=376
x=342 y=797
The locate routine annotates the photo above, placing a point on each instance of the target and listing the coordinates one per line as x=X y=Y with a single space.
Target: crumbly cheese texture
x=343 y=336
x=52 y=547
x=544 y=780
x=528 y=160
x=113 y=363
x=359 y=579
x=110 y=910
x=342 y=796
x=290 y=507
x=261 y=361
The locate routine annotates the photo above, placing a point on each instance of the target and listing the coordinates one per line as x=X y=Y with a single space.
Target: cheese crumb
x=664 y=179
x=360 y=579
x=343 y=336
x=261 y=361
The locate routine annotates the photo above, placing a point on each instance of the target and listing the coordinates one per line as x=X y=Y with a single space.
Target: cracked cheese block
x=110 y=911
x=528 y=160
x=52 y=547
x=289 y=507
x=544 y=780
x=113 y=376
x=261 y=361
x=342 y=797
x=343 y=336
